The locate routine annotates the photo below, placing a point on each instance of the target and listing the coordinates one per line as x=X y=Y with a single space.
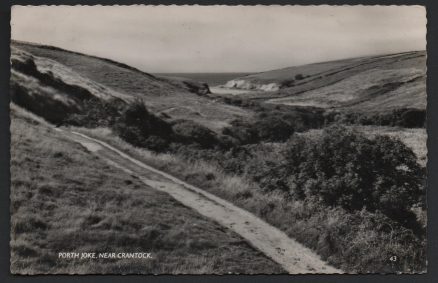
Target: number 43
x=393 y=258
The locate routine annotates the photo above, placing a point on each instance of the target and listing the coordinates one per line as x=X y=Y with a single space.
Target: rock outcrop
x=250 y=85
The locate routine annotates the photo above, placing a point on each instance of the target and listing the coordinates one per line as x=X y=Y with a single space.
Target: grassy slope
x=159 y=94
x=52 y=90
x=63 y=199
x=368 y=83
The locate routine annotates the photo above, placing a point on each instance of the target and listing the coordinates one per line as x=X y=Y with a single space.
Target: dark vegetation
x=135 y=124
x=405 y=117
x=51 y=109
x=274 y=125
x=287 y=83
x=299 y=77
x=28 y=67
x=141 y=128
x=95 y=113
x=314 y=117
x=344 y=168
x=138 y=126
x=339 y=168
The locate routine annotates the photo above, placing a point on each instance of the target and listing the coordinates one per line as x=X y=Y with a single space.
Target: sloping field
x=187 y=98
x=367 y=83
x=64 y=199
x=376 y=88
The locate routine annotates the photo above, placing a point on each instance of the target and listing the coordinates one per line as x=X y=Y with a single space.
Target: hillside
x=64 y=199
x=65 y=79
x=360 y=84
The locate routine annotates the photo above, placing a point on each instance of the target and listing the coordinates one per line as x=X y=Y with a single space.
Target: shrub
x=263 y=166
x=35 y=101
x=288 y=83
x=413 y=118
x=299 y=77
x=96 y=113
x=266 y=127
x=242 y=131
x=273 y=128
x=344 y=168
x=189 y=132
x=139 y=127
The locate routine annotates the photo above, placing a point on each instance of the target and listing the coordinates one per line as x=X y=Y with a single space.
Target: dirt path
x=292 y=256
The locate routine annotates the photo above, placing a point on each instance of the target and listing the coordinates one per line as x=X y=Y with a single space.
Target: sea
x=212 y=79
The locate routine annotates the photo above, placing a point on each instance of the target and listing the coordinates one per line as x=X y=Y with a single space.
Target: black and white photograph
x=214 y=140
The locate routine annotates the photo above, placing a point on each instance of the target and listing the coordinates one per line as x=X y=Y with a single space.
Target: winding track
x=292 y=256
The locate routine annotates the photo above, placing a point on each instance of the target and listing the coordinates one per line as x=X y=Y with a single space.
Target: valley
x=303 y=160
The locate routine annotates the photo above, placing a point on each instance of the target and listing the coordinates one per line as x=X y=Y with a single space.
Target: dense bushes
x=137 y=126
x=339 y=168
x=355 y=241
x=406 y=117
x=343 y=168
x=308 y=117
x=273 y=125
x=271 y=129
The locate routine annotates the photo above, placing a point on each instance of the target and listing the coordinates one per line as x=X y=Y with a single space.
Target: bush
x=242 y=131
x=96 y=113
x=263 y=166
x=299 y=77
x=141 y=128
x=273 y=129
x=191 y=132
x=344 y=168
x=52 y=110
x=267 y=127
x=413 y=118
x=288 y=83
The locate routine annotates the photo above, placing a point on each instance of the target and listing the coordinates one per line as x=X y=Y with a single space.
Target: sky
x=160 y=39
